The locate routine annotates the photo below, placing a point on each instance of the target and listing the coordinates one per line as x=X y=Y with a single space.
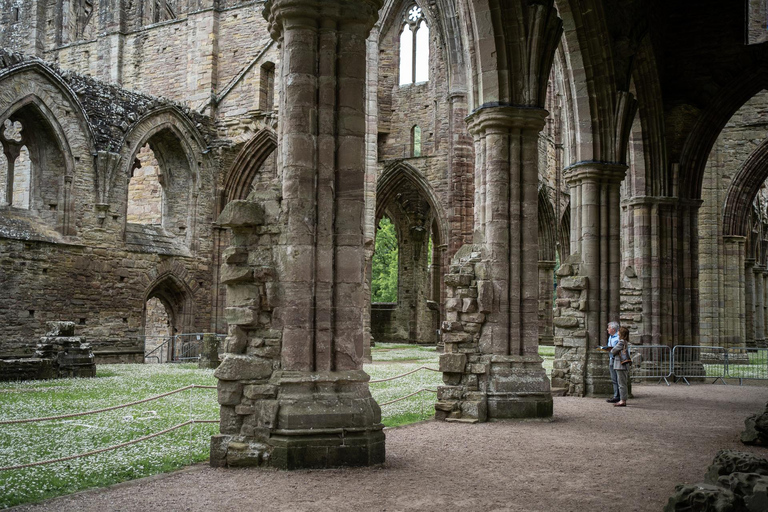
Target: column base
x=499 y=387
x=317 y=420
x=597 y=381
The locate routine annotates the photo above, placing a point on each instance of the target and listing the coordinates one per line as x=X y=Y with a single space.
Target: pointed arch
x=742 y=191
x=401 y=173
x=548 y=228
x=176 y=295
x=247 y=164
x=708 y=125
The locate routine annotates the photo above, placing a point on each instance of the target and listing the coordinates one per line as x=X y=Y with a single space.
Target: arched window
x=414 y=48
x=267 y=87
x=416 y=141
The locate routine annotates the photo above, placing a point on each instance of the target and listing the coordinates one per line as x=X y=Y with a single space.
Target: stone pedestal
x=209 y=355
x=291 y=386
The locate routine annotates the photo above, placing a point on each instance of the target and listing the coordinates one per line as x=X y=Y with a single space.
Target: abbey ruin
x=223 y=166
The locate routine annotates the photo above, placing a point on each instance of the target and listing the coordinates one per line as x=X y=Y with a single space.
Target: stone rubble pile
x=735 y=482
x=59 y=354
x=756 y=429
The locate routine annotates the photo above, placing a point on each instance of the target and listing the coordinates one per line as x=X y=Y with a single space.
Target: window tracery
x=414 y=47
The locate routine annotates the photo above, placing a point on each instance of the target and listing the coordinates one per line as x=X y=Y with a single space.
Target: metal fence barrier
x=651 y=362
x=176 y=349
x=747 y=364
x=699 y=362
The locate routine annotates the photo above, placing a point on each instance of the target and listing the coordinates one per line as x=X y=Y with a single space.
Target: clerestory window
x=414 y=47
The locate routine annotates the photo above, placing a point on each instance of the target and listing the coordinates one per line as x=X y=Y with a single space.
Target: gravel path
x=591 y=457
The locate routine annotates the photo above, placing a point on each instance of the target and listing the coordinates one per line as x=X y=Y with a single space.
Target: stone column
x=765 y=304
x=759 y=316
x=506 y=142
x=749 y=301
x=546 y=292
x=314 y=407
x=733 y=288
x=595 y=187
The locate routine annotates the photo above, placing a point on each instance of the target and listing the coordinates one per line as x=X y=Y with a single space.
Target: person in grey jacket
x=621 y=369
x=613 y=339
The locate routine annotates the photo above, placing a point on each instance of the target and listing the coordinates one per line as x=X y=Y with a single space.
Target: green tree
x=384 y=272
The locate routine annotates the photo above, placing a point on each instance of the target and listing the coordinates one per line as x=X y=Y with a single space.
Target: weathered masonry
x=225 y=166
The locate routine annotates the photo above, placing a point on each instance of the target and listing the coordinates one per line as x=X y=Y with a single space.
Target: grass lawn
x=119 y=384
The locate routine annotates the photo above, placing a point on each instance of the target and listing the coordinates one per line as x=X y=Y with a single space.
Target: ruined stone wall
x=742 y=135
x=72 y=254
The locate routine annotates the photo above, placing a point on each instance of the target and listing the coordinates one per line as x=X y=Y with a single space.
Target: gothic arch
x=742 y=191
x=177 y=297
x=401 y=173
x=710 y=123
x=548 y=228
x=247 y=164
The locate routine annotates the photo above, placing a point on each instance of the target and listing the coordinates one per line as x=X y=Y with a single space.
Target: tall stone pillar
x=306 y=405
x=546 y=291
x=765 y=304
x=759 y=317
x=733 y=305
x=512 y=383
x=749 y=301
x=593 y=270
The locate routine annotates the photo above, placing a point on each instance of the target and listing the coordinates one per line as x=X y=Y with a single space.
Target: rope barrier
x=408 y=396
x=109 y=448
x=78 y=414
x=403 y=374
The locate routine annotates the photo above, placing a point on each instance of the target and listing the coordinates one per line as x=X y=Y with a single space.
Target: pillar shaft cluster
x=314 y=408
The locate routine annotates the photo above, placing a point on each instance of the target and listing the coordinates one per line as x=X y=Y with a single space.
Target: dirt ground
x=591 y=457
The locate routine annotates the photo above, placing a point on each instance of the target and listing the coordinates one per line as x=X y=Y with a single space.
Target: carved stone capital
x=495 y=118
x=282 y=14
x=601 y=172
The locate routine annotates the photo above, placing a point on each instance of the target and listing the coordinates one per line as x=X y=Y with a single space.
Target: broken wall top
x=110 y=110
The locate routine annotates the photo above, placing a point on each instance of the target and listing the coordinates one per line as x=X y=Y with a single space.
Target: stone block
x=566 y=322
x=477 y=368
x=238 y=214
x=565 y=270
x=452 y=326
x=468 y=306
x=457 y=337
x=229 y=392
x=453 y=363
x=231 y=274
x=477 y=318
x=229 y=421
x=452 y=304
x=237 y=367
x=236 y=342
x=60 y=329
x=484 y=296
x=456 y=280
x=481 y=271
x=449 y=393
x=476 y=410
x=575 y=283
x=235 y=256
x=243 y=316
x=259 y=391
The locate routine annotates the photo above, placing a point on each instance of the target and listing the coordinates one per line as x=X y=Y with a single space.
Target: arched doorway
x=408 y=259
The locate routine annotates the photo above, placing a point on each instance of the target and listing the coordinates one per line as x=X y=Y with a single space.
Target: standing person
x=613 y=339
x=620 y=355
